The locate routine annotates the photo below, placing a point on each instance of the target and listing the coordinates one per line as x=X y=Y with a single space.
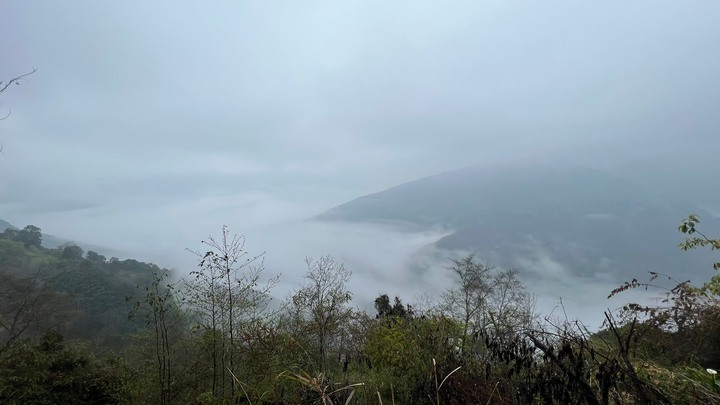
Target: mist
x=148 y=126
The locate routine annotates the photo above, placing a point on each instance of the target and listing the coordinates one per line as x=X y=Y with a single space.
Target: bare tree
x=4 y=85
x=487 y=299
x=510 y=309
x=156 y=308
x=468 y=301
x=322 y=302
x=228 y=295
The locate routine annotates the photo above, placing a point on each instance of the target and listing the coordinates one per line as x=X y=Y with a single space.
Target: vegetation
x=76 y=327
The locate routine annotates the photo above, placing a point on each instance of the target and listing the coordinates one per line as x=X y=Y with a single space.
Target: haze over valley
x=567 y=149
x=573 y=233
x=565 y=140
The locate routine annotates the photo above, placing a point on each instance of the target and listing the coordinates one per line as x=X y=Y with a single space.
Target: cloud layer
x=150 y=124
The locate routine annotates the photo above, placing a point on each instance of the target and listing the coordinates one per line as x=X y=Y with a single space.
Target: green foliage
x=689 y=227
x=401 y=352
x=82 y=297
x=385 y=309
x=50 y=372
x=29 y=236
x=27 y=310
x=95 y=258
x=14 y=257
x=681 y=332
x=689 y=316
x=217 y=342
x=72 y=253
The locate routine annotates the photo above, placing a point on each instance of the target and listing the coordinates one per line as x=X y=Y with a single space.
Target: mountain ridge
x=580 y=218
x=52 y=242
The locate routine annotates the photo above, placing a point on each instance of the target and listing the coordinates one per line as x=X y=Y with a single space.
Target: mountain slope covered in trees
x=81 y=294
x=584 y=220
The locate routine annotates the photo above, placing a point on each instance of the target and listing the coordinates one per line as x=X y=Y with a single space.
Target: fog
x=149 y=125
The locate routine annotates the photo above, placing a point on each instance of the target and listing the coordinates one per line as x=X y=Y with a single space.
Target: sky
x=149 y=125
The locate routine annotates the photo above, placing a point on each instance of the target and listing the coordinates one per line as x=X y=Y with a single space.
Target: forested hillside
x=76 y=327
x=80 y=294
x=586 y=220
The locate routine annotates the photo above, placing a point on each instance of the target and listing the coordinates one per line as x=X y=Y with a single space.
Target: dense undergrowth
x=78 y=328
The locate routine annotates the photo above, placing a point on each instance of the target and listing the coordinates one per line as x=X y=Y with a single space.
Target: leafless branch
x=16 y=80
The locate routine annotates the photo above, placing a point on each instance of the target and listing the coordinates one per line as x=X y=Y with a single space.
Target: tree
x=385 y=309
x=94 y=257
x=30 y=236
x=228 y=297
x=382 y=306
x=10 y=234
x=487 y=299
x=510 y=309
x=467 y=302
x=72 y=252
x=156 y=308
x=322 y=302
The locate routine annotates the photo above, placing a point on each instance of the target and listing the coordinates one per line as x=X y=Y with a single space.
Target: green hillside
x=82 y=294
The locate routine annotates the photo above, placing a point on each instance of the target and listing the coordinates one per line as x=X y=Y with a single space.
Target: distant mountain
x=541 y=217
x=6 y=225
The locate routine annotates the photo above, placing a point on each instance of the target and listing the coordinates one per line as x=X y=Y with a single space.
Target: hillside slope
x=543 y=217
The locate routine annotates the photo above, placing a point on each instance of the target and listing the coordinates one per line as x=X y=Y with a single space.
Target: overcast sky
x=152 y=123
